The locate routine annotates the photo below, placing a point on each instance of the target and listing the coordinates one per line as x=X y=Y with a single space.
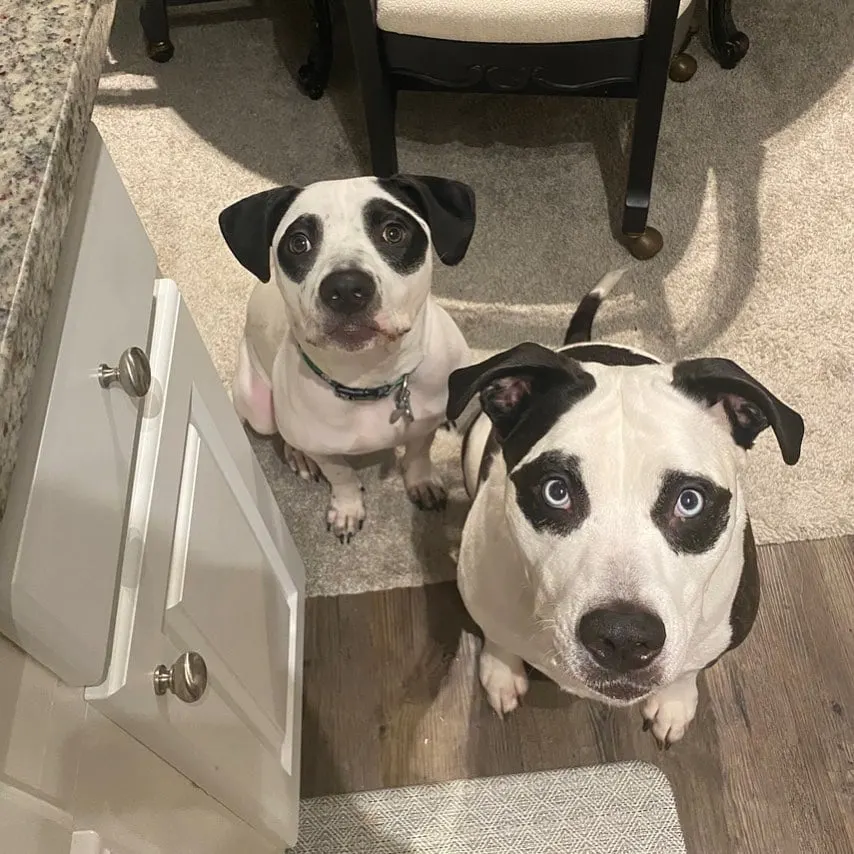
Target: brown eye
x=393 y=233
x=298 y=244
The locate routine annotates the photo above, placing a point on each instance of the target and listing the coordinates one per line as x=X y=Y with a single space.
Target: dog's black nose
x=347 y=291
x=622 y=637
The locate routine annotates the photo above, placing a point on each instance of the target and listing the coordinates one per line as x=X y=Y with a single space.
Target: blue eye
x=689 y=504
x=556 y=493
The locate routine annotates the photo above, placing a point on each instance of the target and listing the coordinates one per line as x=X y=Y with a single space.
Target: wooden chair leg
x=729 y=44
x=313 y=77
x=683 y=66
x=154 y=19
x=642 y=241
x=379 y=98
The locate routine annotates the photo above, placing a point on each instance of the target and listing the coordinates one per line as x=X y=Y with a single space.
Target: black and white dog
x=345 y=352
x=608 y=543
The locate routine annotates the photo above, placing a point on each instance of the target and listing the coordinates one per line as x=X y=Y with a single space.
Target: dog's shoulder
x=745 y=604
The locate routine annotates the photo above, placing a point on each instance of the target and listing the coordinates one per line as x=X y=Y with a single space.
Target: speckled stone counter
x=51 y=54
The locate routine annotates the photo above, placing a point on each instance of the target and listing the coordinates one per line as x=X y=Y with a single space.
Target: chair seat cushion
x=516 y=21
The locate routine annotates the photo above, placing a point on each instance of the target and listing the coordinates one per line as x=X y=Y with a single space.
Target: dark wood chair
x=427 y=46
x=312 y=77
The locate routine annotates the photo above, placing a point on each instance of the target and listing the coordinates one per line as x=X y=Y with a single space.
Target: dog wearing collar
x=345 y=352
x=608 y=544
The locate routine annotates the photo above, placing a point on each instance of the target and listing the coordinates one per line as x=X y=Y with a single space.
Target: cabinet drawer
x=210 y=568
x=63 y=529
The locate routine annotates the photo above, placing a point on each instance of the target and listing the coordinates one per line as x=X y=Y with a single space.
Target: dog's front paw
x=428 y=494
x=300 y=464
x=669 y=711
x=345 y=516
x=503 y=678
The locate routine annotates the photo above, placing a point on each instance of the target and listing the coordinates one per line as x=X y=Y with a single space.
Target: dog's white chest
x=311 y=417
x=350 y=427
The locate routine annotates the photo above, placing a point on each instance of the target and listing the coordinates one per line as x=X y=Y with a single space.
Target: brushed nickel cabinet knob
x=133 y=373
x=187 y=678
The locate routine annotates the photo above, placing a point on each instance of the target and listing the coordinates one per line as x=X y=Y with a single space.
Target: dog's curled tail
x=581 y=325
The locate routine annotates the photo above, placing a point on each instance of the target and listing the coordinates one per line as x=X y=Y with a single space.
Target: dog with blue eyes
x=608 y=544
x=345 y=352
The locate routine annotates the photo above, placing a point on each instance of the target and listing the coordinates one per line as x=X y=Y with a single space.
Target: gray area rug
x=619 y=808
x=753 y=195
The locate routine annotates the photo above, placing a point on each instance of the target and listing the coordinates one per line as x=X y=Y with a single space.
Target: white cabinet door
x=29 y=825
x=209 y=568
x=61 y=535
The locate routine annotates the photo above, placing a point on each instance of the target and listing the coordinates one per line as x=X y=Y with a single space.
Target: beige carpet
x=753 y=194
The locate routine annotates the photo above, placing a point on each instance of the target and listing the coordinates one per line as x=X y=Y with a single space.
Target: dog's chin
x=354 y=337
x=619 y=691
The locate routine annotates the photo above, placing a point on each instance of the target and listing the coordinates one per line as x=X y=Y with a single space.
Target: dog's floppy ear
x=510 y=382
x=748 y=405
x=248 y=227
x=447 y=206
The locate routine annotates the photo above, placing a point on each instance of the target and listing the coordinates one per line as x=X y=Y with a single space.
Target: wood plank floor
x=391 y=699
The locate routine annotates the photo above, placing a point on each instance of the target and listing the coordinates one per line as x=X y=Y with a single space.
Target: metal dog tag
x=403 y=406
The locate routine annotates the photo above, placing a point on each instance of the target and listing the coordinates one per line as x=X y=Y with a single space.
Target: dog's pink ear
x=511 y=383
x=447 y=206
x=248 y=227
x=507 y=393
x=747 y=405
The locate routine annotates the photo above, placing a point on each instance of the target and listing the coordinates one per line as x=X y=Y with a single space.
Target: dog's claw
x=305 y=467
x=345 y=517
x=505 y=682
x=428 y=496
x=661 y=743
x=668 y=712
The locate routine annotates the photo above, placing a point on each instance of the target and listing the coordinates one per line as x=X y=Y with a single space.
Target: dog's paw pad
x=428 y=494
x=345 y=517
x=300 y=464
x=668 y=717
x=504 y=685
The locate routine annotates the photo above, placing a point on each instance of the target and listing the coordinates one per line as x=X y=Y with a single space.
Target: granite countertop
x=51 y=54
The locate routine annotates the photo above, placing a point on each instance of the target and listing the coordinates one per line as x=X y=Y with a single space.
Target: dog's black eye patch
x=297 y=250
x=397 y=235
x=691 y=512
x=551 y=493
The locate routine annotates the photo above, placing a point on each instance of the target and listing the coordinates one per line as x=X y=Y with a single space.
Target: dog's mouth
x=620 y=688
x=356 y=333
x=611 y=687
x=619 y=691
